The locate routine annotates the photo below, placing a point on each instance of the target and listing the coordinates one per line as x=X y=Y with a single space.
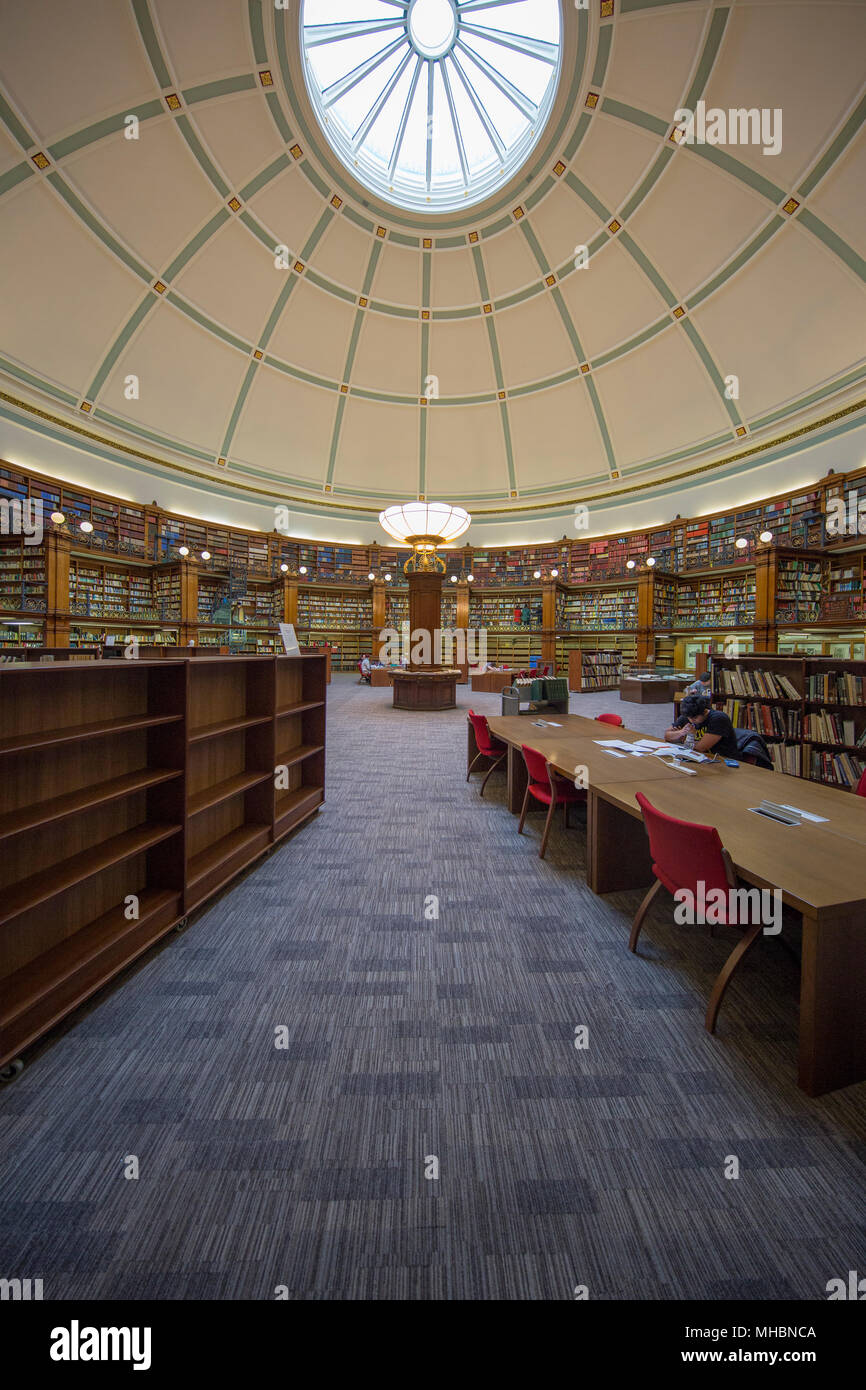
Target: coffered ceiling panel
x=155 y=256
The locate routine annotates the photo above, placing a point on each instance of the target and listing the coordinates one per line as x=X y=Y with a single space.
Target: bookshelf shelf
x=180 y=798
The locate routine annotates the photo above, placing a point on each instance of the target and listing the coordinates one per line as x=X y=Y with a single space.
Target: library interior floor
x=410 y=1036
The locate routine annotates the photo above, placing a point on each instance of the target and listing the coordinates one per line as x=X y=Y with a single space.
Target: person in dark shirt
x=711 y=730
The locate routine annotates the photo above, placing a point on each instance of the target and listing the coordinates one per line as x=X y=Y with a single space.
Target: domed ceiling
x=189 y=271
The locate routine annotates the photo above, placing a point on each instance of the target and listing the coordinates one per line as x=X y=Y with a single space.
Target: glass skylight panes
x=432 y=104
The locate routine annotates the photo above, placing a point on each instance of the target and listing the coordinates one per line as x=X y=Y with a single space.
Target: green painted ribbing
x=518 y=297
x=258 y=231
x=855 y=378
x=443 y=243
x=41 y=385
x=278 y=117
x=275 y=167
x=736 y=263
x=632 y=6
x=715 y=375
x=204 y=160
x=494 y=353
x=564 y=487
x=602 y=423
x=426 y=267
x=403 y=240
x=17 y=174
x=579 y=132
x=483 y=398
x=312 y=175
x=740 y=171
x=19 y=131
x=153 y=436
x=387 y=397
x=571 y=330
x=828 y=159
x=257 y=31
x=359 y=220
x=187 y=252
x=348 y=296
x=494 y=227
x=444 y=315
x=225 y=86
x=647 y=183
x=137 y=317
x=579 y=187
x=298 y=373
x=204 y=322
x=638 y=339
x=834 y=242
x=679 y=455
x=602 y=55
x=335 y=439
x=316 y=234
x=535 y=246
x=425 y=357
x=148 y=35
x=634 y=116
x=100 y=129
x=509 y=450
x=87 y=217
x=538 y=193
x=648 y=269
x=239 y=405
x=718 y=24
x=353 y=345
x=480 y=273
x=375 y=252
x=282 y=300
x=560 y=379
x=397 y=311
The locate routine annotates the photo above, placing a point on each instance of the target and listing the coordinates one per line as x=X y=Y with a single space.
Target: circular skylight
x=432 y=104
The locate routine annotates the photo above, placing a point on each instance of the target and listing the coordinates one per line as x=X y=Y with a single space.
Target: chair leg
x=641 y=914
x=743 y=945
x=523 y=811
x=472 y=765
x=547 y=823
x=492 y=768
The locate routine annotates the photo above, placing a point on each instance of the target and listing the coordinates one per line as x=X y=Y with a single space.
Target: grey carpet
x=409 y=1037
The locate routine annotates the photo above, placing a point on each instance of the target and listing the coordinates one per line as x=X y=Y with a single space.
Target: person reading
x=702 y=686
x=703 y=728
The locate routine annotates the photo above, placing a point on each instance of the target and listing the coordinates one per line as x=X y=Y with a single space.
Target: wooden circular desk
x=425 y=689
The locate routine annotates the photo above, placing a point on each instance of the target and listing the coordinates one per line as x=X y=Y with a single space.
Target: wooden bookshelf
x=811 y=711
x=130 y=793
x=594 y=670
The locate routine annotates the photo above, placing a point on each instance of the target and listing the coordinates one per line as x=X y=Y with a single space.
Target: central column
x=425 y=610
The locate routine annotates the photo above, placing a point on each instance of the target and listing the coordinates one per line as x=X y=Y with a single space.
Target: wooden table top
x=818 y=867
x=575 y=745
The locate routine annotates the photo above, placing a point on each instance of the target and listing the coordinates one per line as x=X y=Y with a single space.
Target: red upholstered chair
x=861 y=785
x=610 y=719
x=548 y=787
x=684 y=855
x=488 y=747
x=362 y=679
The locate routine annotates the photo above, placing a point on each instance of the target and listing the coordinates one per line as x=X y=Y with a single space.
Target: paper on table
x=613 y=743
x=612 y=751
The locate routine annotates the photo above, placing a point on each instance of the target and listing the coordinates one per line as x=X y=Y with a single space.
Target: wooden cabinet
x=130 y=792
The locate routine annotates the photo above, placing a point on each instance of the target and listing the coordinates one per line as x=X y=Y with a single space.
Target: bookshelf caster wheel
x=182 y=924
x=11 y=1071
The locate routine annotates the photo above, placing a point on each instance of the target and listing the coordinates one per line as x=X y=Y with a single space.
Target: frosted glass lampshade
x=437 y=522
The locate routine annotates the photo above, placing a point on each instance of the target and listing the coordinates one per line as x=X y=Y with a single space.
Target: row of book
x=772 y=685
x=772 y=720
x=835 y=688
x=785 y=758
x=832 y=728
x=841 y=769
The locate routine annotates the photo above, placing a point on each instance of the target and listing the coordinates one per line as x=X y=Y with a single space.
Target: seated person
x=703 y=728
x=365 y=668
x=702 y=686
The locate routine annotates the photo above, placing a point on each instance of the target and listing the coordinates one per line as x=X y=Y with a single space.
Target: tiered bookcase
x=811 y=711
x=131 y=791
x=594 y=670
